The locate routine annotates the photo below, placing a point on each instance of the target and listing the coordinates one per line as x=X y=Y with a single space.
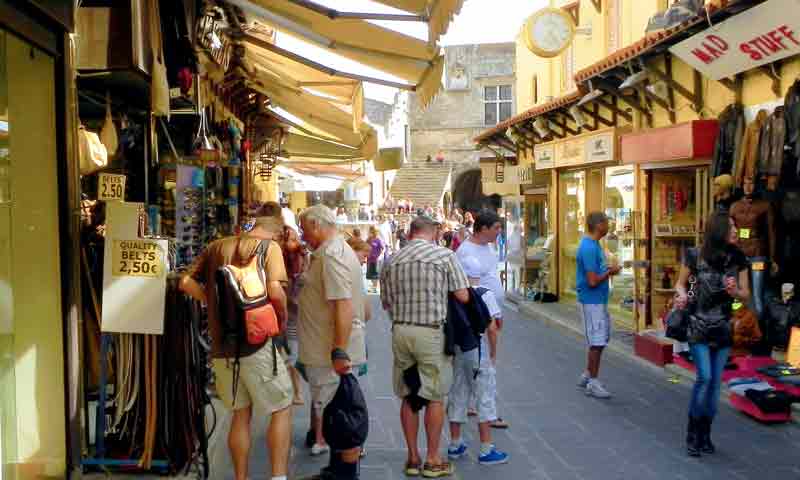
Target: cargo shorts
x=267 y=393
x=423 y=347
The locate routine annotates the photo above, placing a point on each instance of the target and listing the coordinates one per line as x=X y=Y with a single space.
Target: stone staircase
x=422 y=183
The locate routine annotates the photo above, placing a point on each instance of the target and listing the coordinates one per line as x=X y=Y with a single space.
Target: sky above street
x=480 y=21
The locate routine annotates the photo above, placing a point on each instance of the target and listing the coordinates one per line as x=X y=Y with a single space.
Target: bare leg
x=485 y=431
x=455 y=433
x=279 y=435
x=410 y=422
x=434 y=422
x=316 y=424
x=296 y=385
x=593 y=361
x=239 y=441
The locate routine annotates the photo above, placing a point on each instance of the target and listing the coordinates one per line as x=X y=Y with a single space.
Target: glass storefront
x=620 y=196
x=31 y=347
x=572 y=227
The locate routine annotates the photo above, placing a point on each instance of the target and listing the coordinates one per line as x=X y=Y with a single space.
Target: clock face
x=549 y=32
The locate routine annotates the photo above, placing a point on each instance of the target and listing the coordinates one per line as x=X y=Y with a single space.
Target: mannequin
x=755 y=224
x=723 y=191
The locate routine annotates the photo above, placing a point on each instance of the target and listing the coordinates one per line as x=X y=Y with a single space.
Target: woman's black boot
x=705 y=436
x=693 y=437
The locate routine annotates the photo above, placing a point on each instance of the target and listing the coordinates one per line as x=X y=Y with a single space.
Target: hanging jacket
x=748 y=154
x=792 y=107
x=777 y=139
x=466 y=322
x=727 y=148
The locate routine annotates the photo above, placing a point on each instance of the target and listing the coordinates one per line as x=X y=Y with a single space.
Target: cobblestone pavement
x=557 y=433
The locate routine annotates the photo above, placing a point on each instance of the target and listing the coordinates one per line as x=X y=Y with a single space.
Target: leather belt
x=432 y=326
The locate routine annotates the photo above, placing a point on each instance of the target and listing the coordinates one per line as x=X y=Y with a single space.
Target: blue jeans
x=710 y=362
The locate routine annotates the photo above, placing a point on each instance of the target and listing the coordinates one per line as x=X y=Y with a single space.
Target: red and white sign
x=761 y=35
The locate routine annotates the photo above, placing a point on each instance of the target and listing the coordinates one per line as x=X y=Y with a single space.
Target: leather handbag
x=677 y=321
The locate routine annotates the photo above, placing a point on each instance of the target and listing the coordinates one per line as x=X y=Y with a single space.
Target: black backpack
x=345 y=421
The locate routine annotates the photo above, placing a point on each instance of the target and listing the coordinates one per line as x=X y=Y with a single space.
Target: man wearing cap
x=257 y=387
x=415 y=285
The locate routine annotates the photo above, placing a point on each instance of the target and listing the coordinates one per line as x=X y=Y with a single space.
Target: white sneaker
x=318 y=450
x=584 y=380
x=595 y=389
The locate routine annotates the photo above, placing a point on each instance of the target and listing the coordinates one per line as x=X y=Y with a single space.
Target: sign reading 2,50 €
x=137 y=258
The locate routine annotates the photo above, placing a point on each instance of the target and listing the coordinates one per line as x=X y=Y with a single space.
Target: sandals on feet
x=500 y=424
x=412 y=469
x=444 y=469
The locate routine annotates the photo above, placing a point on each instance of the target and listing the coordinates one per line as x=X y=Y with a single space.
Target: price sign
x=793 y=352
x=111 y=187
x=137 y=258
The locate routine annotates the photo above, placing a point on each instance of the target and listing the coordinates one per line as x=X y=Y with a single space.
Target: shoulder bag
x=677 y=321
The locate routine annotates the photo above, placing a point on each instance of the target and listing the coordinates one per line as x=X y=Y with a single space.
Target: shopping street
x=557 y=433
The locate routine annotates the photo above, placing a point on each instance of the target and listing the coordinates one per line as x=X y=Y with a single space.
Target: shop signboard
x=600 y=148
x=111 y=187
x=544 y=156
x=134 y=286
x=759 y=36
x=570 y=152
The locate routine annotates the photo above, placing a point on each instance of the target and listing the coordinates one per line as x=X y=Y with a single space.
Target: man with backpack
x=331 y=326
x=474 y=375
x=248 y=376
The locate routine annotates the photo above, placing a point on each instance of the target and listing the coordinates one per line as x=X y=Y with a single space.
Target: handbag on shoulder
x=677 y=321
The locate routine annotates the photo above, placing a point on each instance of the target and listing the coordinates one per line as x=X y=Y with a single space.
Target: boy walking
x=592 y=285
x=474 y=375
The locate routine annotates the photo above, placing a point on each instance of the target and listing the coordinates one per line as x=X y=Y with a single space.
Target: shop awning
x=439 y=13
x=308 y=178
x=313 y=110
x=407 y=58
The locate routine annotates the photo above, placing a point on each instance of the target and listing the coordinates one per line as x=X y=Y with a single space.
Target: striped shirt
x=416 y=282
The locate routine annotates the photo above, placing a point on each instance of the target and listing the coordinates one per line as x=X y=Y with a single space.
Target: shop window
x=619 y=201
x=572 y=227
x=497 y=104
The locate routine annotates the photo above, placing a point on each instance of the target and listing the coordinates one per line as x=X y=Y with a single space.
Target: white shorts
x=466 y=386
x=596 y=322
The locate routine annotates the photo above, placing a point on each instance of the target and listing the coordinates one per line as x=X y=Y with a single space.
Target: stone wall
x=456 y=115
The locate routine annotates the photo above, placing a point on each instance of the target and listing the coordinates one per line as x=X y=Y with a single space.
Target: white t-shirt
x=487 y=257
x=385 y=229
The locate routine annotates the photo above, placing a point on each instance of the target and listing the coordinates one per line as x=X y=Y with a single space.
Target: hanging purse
x=159 y=85
x=677 y=322
x=92 y=153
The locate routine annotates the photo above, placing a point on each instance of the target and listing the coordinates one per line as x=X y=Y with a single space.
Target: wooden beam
x=772 y=73
x=596 y=116
x=666 y=77
x=698 y=93
x=734 y=86
x=598 y=5
x=563 y=125
x=615 y=109
x=611 y=89
x=670 y=92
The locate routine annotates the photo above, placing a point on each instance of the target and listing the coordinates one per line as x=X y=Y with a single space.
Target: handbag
x=93 y=154
x=677 y=321
x=159 y=88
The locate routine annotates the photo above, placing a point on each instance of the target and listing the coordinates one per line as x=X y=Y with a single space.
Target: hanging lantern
x=268 y=155
x=499 y=169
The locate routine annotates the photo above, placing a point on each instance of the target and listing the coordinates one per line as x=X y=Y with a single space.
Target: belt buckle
x=744 y=233
x=758 y=266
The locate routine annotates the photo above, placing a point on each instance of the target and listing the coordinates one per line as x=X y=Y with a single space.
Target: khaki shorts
x=323 y=383
x=424 y=347
x=257 y=385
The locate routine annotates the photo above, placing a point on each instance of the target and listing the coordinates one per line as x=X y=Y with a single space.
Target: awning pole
x=334 y=14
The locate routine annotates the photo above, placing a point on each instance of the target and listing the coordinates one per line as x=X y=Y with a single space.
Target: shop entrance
x=32 y=424
x=678 y=206
x=610 y=190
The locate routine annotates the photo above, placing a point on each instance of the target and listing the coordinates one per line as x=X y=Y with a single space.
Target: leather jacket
x=792 y=111
x=773 y=136
x=729 y=141
x=748 y=153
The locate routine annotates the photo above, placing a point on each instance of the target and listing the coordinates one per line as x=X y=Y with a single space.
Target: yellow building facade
x=610 y=42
